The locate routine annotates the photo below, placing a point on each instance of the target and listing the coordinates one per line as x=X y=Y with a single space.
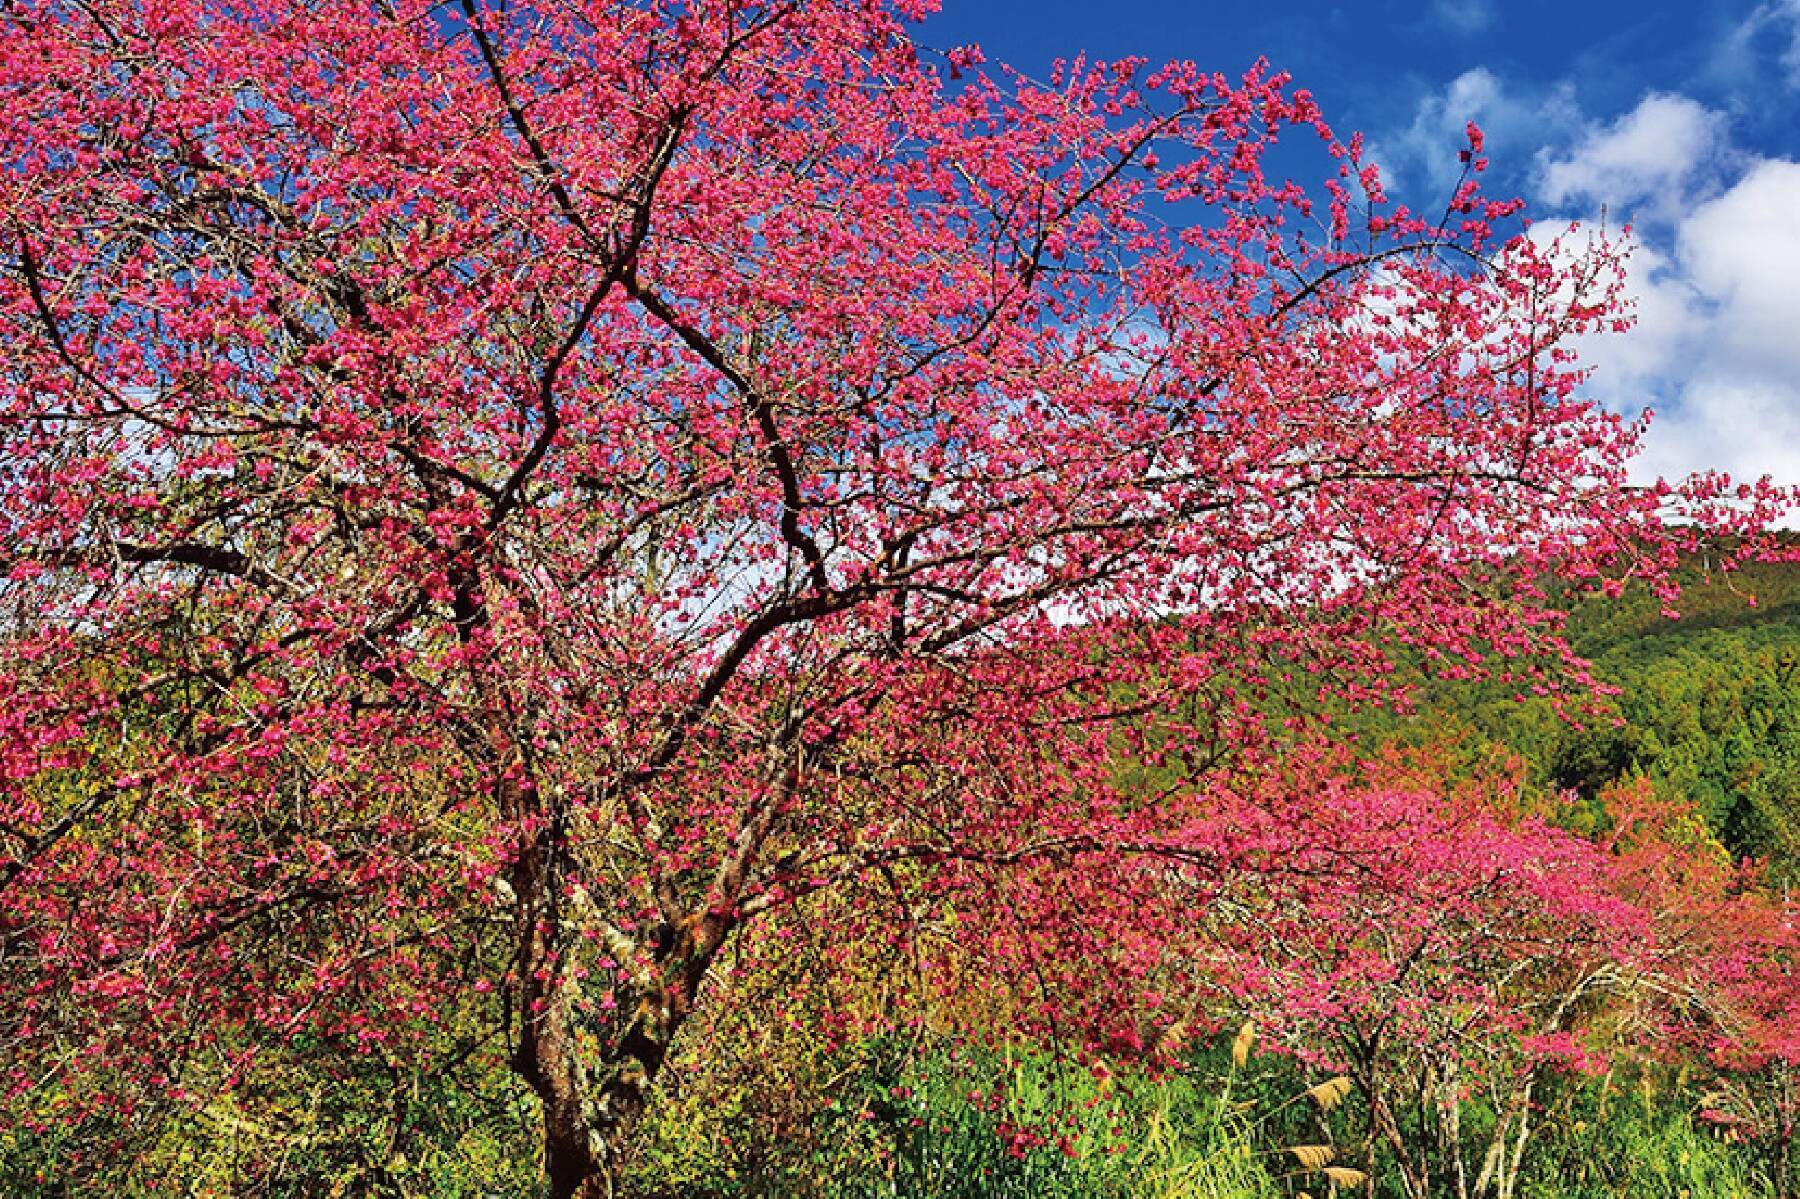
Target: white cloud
x=1513 y=121
x=1464 y=17
x=1746 y=427
x=1649 y=161
x=1743 y=250
x=1672 y=317
x=1772 y=28
x=1715 y=350
x=1737 y=407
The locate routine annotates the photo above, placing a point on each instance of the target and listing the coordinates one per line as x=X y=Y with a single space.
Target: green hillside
x=1708 y=706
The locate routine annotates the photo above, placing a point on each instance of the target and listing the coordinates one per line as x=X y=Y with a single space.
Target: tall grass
x=1641 y=1152
x=881 y=1121
x=1024 y=1126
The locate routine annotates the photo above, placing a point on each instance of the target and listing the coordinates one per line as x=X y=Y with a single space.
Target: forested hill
x=1710 y=705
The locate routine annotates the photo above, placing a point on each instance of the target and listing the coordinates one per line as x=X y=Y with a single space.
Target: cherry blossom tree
x=497 y=498
x=1437 y=944
x=1726 y=965
x=1434 y=944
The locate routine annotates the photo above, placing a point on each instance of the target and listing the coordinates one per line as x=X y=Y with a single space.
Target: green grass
x=1012 y=1126
x=881 y=1121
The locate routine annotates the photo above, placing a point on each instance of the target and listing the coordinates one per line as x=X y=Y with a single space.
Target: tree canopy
x=496 y=500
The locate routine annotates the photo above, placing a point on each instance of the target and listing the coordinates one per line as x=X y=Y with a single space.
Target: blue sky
x=1683 y=118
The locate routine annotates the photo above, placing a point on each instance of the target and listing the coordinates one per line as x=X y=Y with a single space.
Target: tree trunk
x=593 y=1077
x=589 y=1111
x=1784 y=1150
x=596 y=1089
x=1414 y=1173
x=1451 y=1107
x=1509 y=1183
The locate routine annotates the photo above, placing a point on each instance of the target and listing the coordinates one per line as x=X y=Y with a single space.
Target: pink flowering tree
x=498 y=498
x=1727 y=961
x=1435 y=946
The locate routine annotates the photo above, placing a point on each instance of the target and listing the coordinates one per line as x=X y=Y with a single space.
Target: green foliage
x=981 y=1126
x=1645 y=1144
x=967 y=1125
x=880 y=1122
x=360 y=1130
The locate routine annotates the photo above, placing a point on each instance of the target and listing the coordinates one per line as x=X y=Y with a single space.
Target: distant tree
x=495 y=498
x=1444 y=951
x=1452 y=955
x=1726 y=967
